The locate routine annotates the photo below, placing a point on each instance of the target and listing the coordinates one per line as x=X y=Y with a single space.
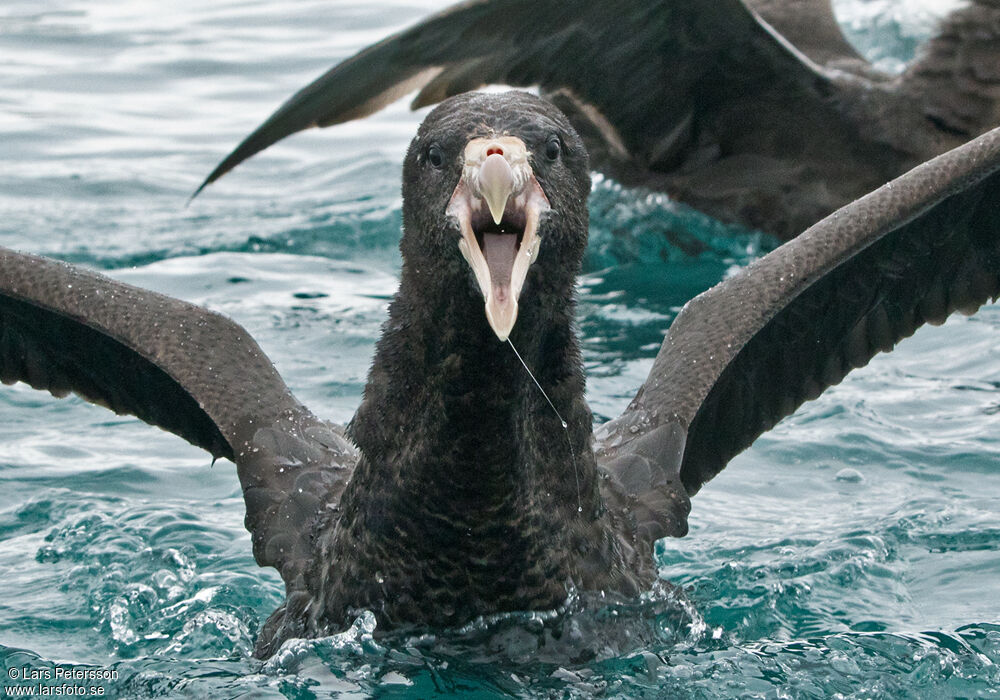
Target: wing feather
x=187 y=370
x=749 y=351
x=652 y=72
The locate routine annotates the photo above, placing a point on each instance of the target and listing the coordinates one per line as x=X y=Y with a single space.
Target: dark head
x=495 y=191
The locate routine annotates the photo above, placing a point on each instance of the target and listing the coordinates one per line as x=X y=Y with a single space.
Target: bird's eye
x=552 y=148
x=435 y=156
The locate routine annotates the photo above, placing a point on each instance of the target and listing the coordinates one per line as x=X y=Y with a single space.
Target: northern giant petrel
x=456 y=491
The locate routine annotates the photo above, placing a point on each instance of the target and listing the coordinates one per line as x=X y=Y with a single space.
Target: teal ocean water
x=852 y=552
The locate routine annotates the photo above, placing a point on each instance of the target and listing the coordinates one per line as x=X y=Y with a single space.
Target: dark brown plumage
x=755 y=112
x=455 y=491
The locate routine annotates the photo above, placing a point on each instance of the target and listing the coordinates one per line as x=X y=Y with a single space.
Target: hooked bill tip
x=496 y=210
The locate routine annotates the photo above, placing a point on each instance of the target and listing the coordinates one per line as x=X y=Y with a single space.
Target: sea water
x=851 y=552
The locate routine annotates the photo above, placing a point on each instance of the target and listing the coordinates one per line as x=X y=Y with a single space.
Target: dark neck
x=466 y=469
x=450 y=408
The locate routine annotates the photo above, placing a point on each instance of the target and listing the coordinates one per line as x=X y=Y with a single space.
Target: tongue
x=500 y=250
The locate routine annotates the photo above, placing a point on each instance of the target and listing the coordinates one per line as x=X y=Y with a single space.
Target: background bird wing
x=649 y=84
x=811 y=26
x=185 y=369
x=749 y=351
x=956 y=76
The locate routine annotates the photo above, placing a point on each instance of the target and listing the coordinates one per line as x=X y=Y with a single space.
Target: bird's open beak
x=498 y=203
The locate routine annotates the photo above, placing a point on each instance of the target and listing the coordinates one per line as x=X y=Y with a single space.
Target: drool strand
x=562 y=421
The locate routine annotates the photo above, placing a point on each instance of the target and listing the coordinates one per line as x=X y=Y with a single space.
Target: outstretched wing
x=653 y=87
x=749 y=351
x=185 y=369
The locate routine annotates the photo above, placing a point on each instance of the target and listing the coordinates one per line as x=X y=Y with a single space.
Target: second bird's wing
x=699 y=98
x=749 y=351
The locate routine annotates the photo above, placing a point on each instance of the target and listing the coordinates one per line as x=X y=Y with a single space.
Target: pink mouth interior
x=499 y=250
x=500 y=244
